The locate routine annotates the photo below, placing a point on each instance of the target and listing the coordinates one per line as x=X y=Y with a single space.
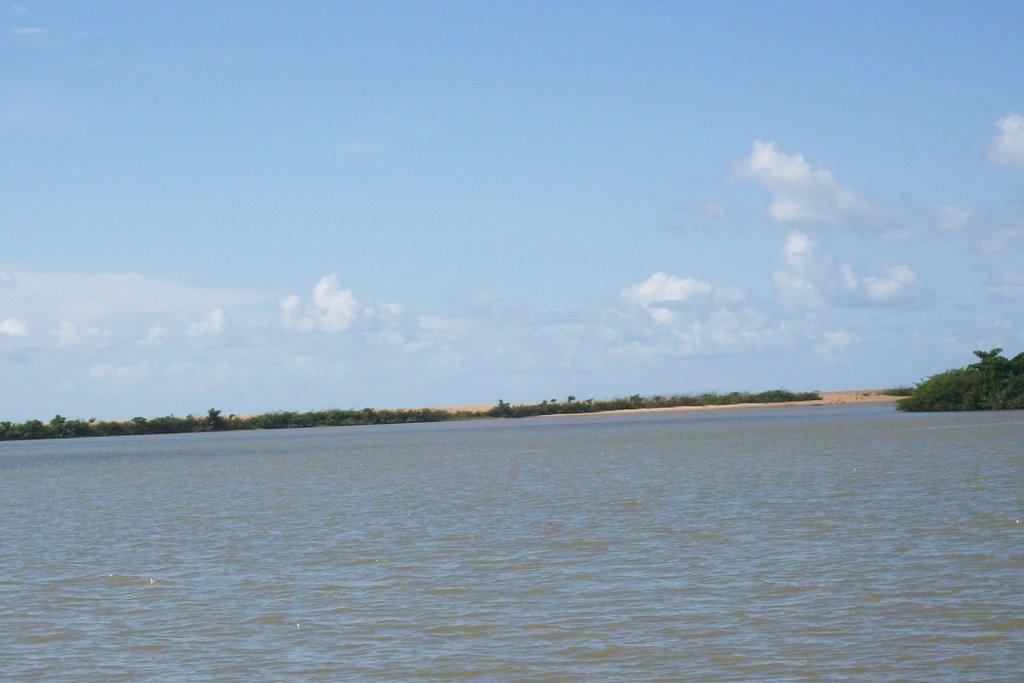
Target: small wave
x=127 y=580
x=486 y=672
x=791 y=589
x=603 y=653
x=549 y=631
x=445 y=590
x=272 y=619
x=974 y=638
x=462 y=630
x=1012 y=625
x=43 y=638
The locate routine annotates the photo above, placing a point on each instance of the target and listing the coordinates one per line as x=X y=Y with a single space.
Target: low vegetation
x=572 y=406
x=215 y=421
x=993 y=383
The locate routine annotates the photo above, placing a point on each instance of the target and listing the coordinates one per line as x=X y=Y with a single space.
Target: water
x=847 y=543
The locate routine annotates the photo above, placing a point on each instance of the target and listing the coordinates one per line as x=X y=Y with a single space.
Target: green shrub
x=993 y=383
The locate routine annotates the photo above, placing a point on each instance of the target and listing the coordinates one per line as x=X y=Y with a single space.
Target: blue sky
x=266 y=206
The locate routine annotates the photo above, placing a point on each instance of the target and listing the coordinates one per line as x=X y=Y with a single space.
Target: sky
x=261 y=206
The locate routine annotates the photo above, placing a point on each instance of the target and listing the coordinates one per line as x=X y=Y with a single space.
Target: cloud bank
x=129 y=344
x=814 y=279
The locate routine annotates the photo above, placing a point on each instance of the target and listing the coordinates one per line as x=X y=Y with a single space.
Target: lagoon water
x=797 y=544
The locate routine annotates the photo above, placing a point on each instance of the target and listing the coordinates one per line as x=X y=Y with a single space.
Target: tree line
x=215 y=421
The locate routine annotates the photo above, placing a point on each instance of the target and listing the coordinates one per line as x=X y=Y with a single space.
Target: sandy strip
x=482 y=408
x=867 y=396
x=463 y=409
x=828 y=398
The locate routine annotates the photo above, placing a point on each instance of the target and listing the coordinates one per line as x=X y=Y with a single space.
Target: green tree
x=57 y=426
x=993 y=383
x=214 y=421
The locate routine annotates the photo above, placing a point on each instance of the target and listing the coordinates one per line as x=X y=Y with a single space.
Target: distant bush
x=993 y=383
x=572 y=406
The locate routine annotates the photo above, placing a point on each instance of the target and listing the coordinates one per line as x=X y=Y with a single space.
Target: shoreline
x=828 y=398
x=215 y=421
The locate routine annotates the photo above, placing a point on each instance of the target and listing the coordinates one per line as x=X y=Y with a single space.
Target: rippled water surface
x=832 y=543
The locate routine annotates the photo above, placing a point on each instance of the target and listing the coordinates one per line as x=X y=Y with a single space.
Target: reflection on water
x=849 y=543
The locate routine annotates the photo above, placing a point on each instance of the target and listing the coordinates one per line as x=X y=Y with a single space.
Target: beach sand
x=828 y=398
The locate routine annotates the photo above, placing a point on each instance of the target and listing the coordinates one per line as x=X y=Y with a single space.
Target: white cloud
x=727 y=328
x=1008 y=146
x=815 y=280
x=662 y=287
x=27 y=31
x=799 y=247
x=662 y=293
x=212 y=324
x=12 y=327
x=333 y=309
x=801 y=194
x=485 y=346
x=336 y=307
x=895 y=285
x=691 y=317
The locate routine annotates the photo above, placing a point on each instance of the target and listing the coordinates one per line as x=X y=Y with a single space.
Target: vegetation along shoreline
x=993 y=383
x=215 y=421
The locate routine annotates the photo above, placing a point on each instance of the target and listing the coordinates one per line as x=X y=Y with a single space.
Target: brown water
x=830 y=543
